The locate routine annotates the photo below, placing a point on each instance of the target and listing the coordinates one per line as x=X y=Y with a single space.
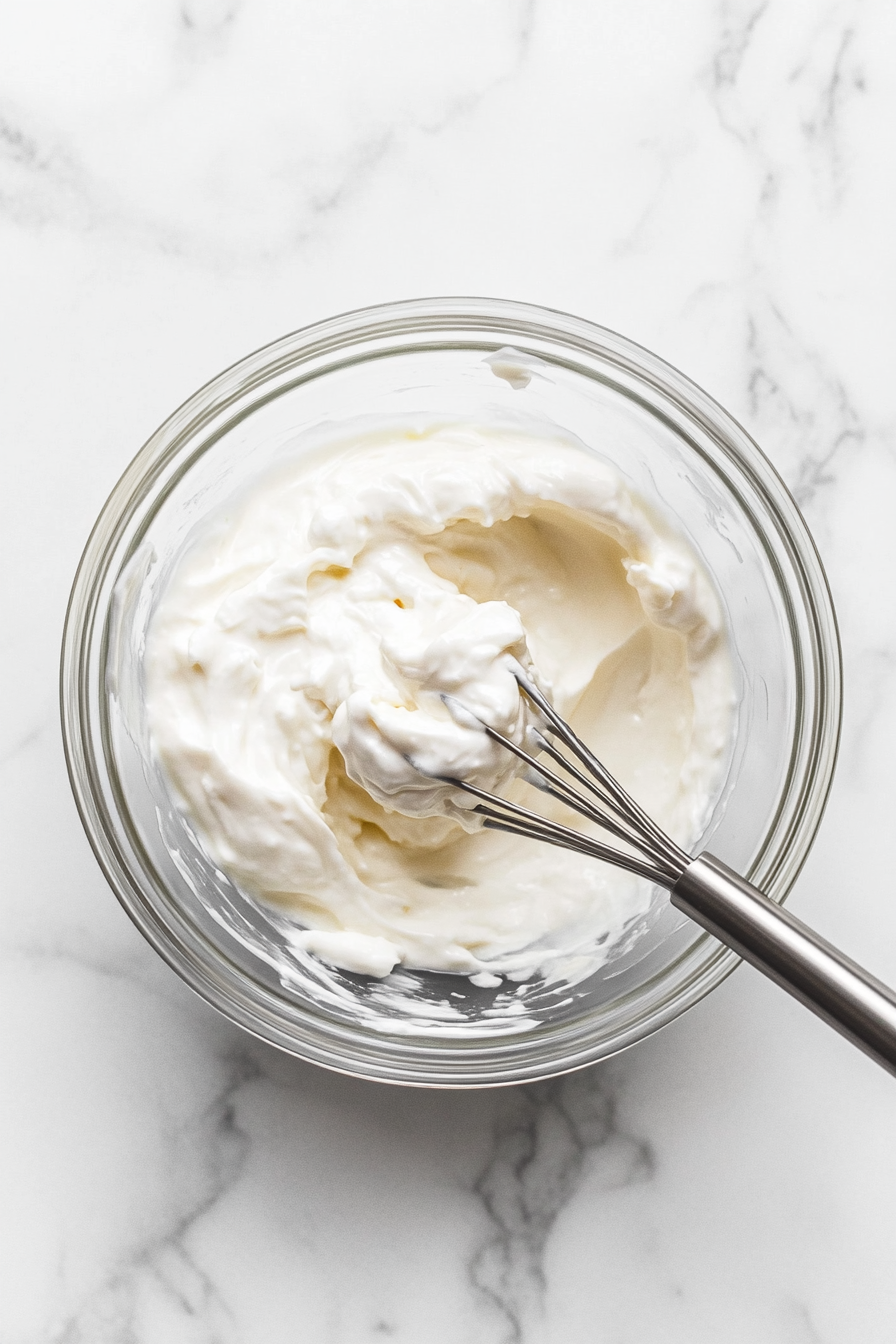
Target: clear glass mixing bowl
x=676 y=446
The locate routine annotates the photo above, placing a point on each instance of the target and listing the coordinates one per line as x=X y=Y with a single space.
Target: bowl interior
x=677 y=449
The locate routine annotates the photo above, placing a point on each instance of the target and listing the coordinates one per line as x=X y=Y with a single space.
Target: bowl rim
x=398 y=324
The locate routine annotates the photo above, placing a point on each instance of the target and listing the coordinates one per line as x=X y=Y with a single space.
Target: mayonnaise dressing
x=299 y=660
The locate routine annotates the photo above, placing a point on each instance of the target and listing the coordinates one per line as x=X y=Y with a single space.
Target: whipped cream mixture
x=306 y=658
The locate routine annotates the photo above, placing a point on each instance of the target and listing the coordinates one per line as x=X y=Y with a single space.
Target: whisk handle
x=773 y=940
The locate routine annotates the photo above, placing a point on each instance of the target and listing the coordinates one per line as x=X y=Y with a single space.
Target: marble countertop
x=182 y=182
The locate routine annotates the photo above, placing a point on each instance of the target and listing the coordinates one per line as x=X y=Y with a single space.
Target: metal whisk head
x=603 y=801
x=705 y=889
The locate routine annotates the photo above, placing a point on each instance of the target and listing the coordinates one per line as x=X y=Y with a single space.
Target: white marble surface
x=182 y=182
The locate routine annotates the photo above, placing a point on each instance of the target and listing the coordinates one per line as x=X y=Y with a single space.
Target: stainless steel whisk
x=834 y=987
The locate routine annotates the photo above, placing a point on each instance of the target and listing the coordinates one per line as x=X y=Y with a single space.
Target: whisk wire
x=627 y=830
x=658 y=858
x=518 y=820
x=621 y=802
x=559 y=789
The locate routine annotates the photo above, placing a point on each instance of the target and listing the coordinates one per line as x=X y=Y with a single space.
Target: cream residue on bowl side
x=297 y=662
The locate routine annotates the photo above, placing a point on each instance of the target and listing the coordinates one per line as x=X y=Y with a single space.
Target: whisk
x=785 y=949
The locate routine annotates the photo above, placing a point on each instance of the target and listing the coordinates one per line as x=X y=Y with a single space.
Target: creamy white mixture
x=297 y=662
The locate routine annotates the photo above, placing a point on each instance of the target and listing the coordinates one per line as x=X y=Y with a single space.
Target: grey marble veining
x=543 y=1136
x=181 y=182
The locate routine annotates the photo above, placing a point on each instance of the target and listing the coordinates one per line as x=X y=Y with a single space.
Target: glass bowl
x=430 y=357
